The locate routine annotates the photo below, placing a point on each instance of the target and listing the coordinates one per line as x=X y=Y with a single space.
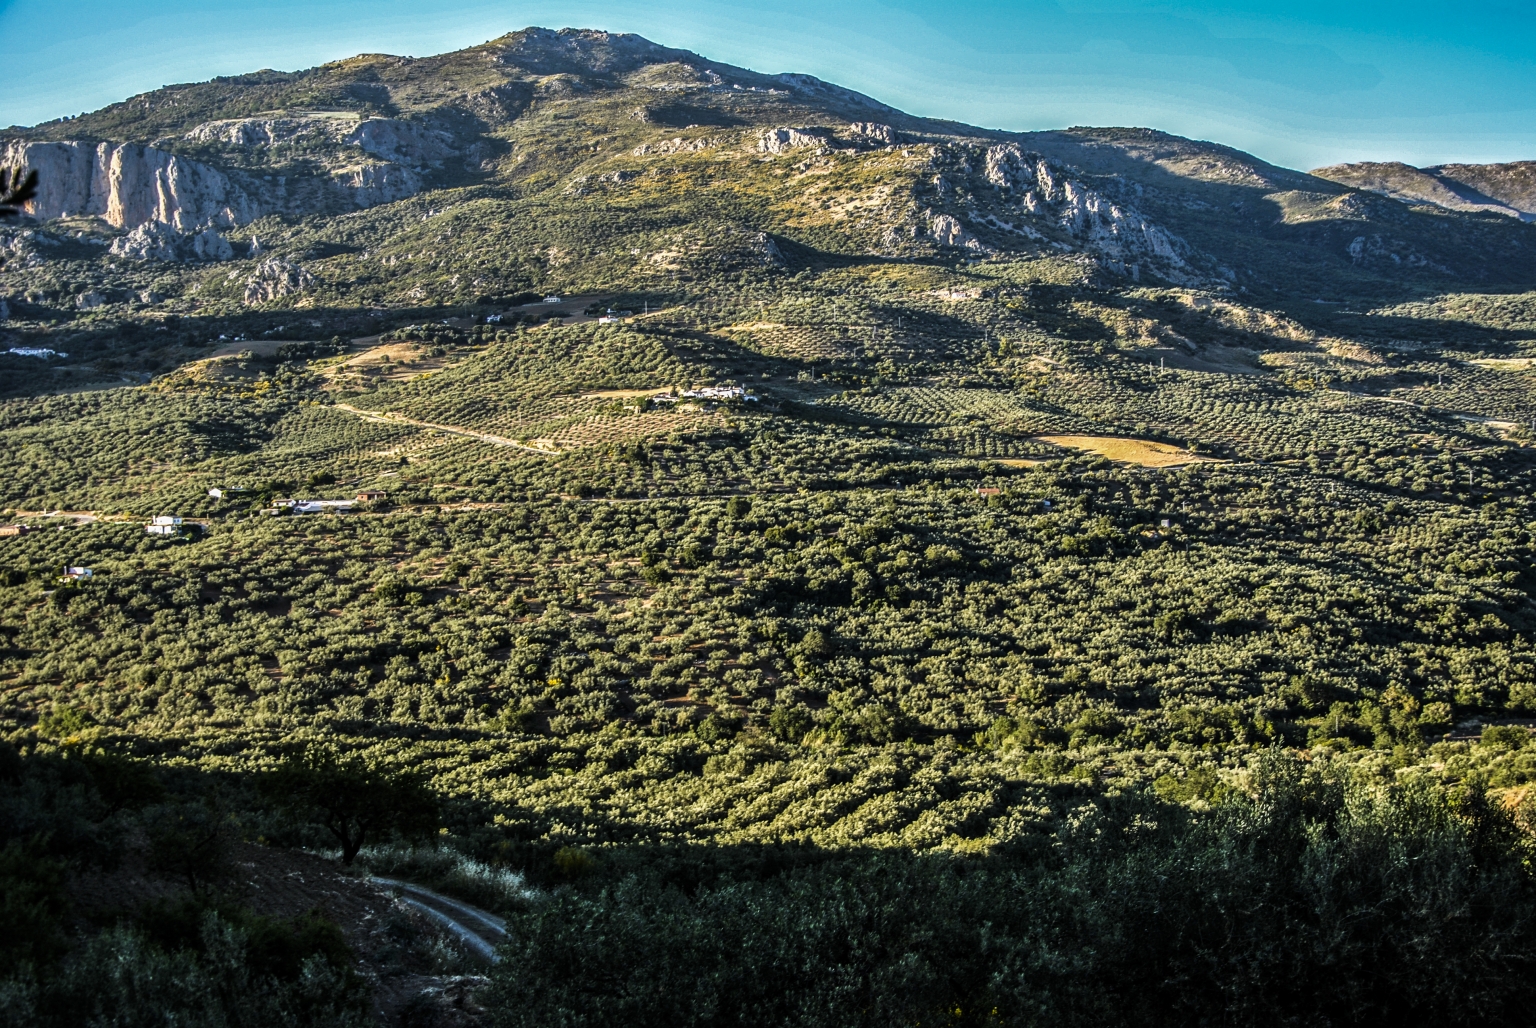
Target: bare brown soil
x=1145 y=452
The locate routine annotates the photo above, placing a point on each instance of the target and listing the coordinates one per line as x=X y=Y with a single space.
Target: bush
x=1313 y=902
x=232 y=977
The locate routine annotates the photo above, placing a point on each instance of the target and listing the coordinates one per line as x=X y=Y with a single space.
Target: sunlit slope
x=575 y=159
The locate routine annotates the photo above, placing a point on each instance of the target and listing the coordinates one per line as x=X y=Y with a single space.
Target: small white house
x=77 y=574
x=552 y=299
x=321 y=506
x=165 y=524
x=217 y=494
x=719 y=393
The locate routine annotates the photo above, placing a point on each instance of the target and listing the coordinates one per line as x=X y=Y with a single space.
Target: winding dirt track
x=479 y=931
x=388 y=418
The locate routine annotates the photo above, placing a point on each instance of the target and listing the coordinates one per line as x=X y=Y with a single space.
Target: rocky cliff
x=128 y=185
x=175 y=207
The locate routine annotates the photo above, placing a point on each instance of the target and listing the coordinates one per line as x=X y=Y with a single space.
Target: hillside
x=1507 y=189
x=622 y=140
x=796 y=562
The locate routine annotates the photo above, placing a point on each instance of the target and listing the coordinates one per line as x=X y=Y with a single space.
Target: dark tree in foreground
x=15 y=189
x=355 y=799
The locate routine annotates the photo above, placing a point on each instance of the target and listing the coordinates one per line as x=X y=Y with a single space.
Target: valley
x=894 y=527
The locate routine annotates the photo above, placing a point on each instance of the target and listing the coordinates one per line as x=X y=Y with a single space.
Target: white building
x=319 y=506
x=718 y=393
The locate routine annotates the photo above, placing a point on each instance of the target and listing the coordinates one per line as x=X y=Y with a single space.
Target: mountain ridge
x=1508 y=189
x=213 y=171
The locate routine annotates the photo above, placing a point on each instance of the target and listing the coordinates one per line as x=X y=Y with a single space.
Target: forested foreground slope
x=911 y=574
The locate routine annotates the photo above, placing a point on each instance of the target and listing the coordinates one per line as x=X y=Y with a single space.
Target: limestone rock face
x=405 y=142
x=254 y=132
x=772 y=255
x=947 y=231
x=136 y=187
x=275 y=277
x=1008 y=167
x=369 y=185
x=157 y=241
x=23 y=247
x=873 y=132
x=128 y=185
x=780 y=140
x=1115 y=230
x=675 y=145
x=393 y=139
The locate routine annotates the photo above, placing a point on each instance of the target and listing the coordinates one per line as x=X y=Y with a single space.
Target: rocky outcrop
x=157 y=241
x=675 y=145
x=128 y=185
x=860 y=135
x=369 y=185
x=1112 y=229
x=254 y=132
x=946 y=230
x=409 y=143
x=781 y=140
x=873 y=132
x=402 y=142
x=24 y=247
x=275 y=277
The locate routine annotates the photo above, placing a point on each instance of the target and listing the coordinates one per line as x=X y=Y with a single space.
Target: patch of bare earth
x=1145 y=452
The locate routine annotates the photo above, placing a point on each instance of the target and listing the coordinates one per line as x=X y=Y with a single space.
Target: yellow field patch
x=1015 y=462
x=755 y=326
x=1129 y=451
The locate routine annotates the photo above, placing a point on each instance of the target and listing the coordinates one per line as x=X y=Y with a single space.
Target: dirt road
x=386 y=417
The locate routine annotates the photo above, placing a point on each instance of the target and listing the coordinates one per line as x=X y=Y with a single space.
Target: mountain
x=623 y=137
x=1507 y=189
x=784 y=560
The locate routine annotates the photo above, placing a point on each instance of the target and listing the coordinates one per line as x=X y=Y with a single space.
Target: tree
x=354 y=798
x=16 y=189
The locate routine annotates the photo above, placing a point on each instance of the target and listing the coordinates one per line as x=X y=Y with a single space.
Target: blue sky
x=1301 y=84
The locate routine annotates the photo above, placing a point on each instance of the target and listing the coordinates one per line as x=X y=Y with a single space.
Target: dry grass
x=619 y=394
x=1128 y=451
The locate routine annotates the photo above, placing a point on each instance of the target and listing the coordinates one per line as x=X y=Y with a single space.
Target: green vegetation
x=757 y=654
